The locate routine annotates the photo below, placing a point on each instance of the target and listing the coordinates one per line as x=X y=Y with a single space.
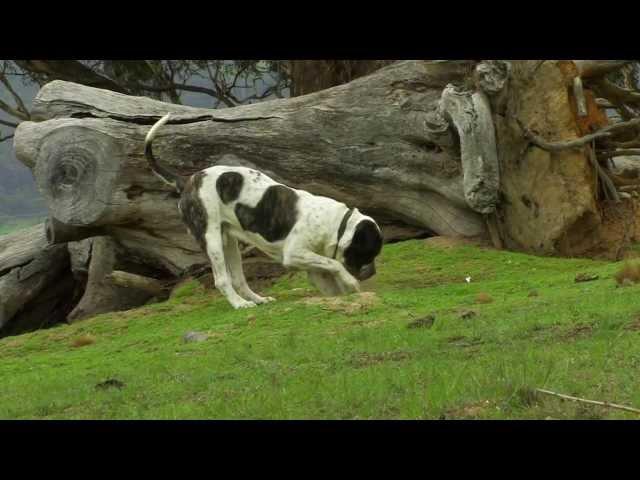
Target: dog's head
x=362 y=244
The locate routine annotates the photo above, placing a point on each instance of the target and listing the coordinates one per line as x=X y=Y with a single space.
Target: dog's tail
x=168 y=176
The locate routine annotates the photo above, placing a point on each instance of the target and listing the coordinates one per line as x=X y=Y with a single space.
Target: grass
x=355 y=357
x=11 y=225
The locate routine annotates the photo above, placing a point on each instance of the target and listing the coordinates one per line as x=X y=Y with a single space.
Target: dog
x=222 y=205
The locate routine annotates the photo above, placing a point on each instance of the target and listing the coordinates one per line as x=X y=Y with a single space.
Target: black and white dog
x=220 y=205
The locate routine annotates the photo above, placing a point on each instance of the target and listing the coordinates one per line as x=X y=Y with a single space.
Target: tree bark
x=28 y=269
x=131 y=280
x=58 y=232
x=102 y=294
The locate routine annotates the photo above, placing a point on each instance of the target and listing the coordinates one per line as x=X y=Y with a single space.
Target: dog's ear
x=366 y=241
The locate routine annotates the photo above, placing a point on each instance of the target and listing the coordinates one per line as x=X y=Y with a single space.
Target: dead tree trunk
x=34 y=278
x=103 y=293
x=381 y=143
x=457 y=148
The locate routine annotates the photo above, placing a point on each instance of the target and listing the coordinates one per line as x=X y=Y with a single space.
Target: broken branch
x=621 y=153
x=598 y=68
x=584 y=400
x=139 y=282
x=578 y=142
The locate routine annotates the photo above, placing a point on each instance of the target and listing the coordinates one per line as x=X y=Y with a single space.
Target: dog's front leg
x=327 y=283
x=215 y=250
x=307 y=260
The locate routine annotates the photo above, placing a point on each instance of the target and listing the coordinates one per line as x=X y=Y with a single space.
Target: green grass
x=11 y=225
x=303 y=358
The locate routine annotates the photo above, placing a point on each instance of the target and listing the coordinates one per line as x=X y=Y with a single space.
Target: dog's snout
x=367 y=271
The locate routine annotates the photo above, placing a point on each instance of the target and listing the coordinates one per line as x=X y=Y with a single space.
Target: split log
x=103 y=292
x=28 y=268
x=50 y=307
x=365 y=143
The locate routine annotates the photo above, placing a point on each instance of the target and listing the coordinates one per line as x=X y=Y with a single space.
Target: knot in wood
x=76 y=169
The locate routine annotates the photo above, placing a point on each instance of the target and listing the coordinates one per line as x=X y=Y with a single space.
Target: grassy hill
x=11 y=225
x=521 y=323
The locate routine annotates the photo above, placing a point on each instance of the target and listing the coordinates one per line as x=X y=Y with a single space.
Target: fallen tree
x=458 y=148
x=35 y=280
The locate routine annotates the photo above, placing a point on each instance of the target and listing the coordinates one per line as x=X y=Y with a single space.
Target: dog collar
x=342 y=228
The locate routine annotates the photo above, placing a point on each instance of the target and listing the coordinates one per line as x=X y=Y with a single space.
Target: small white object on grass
x=468 y=279
x=194 y=337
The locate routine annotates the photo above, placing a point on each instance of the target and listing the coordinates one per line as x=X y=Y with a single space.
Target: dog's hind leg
x=234 y=264
x=223 y=282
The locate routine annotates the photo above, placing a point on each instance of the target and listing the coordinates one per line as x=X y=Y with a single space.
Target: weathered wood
x=50 y=307
x=27 y=268
x=19 y=248
x=581 y=101
x=101 y=294
x=470 y=113
x=331 y=142
x=58 y=232
x=139 y=282
x=598 y=68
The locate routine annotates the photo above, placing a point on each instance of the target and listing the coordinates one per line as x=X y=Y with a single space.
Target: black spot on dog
x=193 y=212
x=364 y=248
x=273 y=217
x=229 y=185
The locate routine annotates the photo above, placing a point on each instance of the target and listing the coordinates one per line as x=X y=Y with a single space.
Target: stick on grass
x=584 y=400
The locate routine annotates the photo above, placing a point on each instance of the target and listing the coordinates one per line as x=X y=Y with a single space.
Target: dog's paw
x=350 y=284
x=245 y=304
x=266 y=300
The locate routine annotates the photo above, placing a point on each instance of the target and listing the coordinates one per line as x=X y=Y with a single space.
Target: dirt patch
x=367 y=323
x=620 y=227
x=425 y=322
x=634 y=325
x=628 y=274
x=484 y=298
x=358 y=303
x=364 y=359
x=83 y=340
x=463 y=342
x=467 y=314
x=472 y=410
x=111 y=383
x=453 y=242
x=577 y=331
